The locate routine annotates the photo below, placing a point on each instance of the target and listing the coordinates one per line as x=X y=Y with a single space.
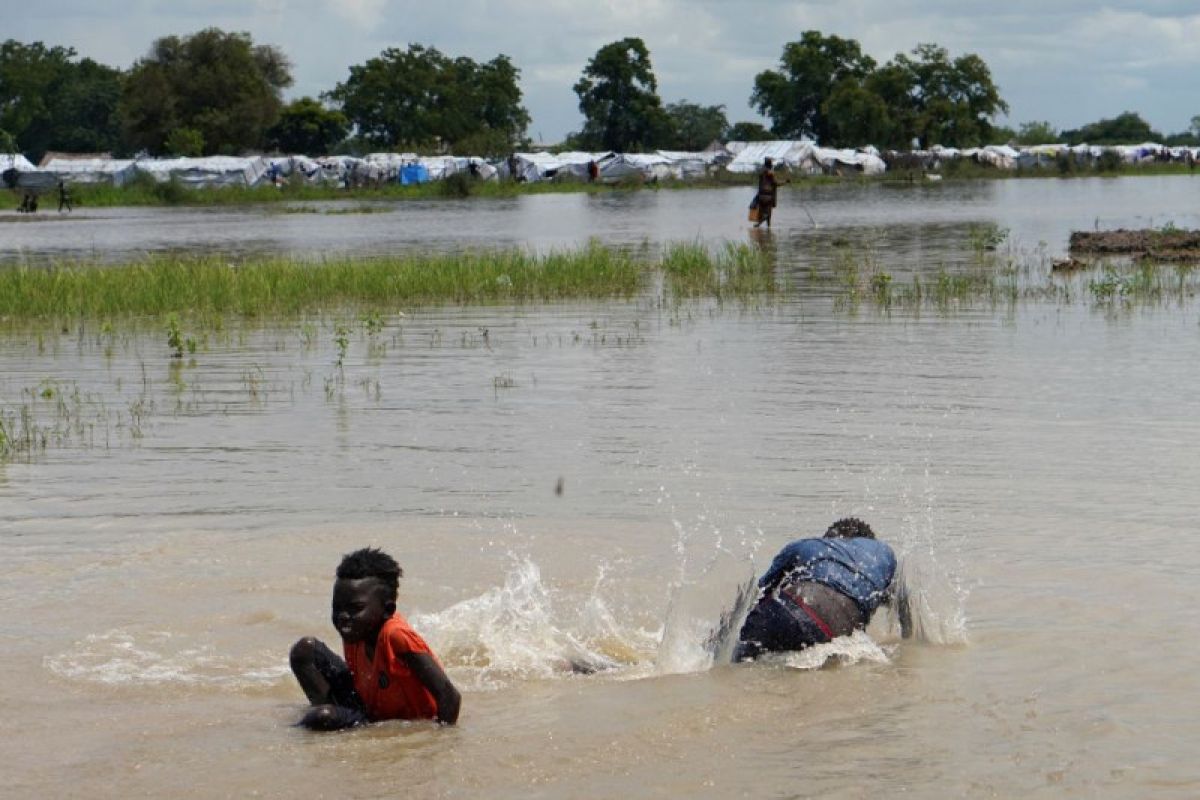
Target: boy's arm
x=430 y=673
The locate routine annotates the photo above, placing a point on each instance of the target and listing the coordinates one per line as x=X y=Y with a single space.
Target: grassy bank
x=161 y=285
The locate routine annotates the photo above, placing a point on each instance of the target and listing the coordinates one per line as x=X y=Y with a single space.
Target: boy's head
x=371 y=562
x=364 y=594
x=849 y=528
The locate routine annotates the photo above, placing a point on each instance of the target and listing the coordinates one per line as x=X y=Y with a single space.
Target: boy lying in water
x=818 y=589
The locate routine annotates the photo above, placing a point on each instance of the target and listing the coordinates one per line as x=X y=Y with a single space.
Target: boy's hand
x=429 y=672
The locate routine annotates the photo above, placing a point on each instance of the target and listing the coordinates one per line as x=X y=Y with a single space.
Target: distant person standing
x=593 y=171
x=768 y=188
x=64 y=197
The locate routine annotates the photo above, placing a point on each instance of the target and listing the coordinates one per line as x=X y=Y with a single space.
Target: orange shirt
x=386 y=685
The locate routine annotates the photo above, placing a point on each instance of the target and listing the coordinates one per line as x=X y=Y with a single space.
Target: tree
x=184 y=142
x=421 y=99
x=792 y=97
x=219 y=84
x=1037 y=133
x=748 y=132
x=50 y=102
x=855 y=115
x=1127 y=128
x=951 y=102
x=618 y=97
x=695 y=126
x=305 y=126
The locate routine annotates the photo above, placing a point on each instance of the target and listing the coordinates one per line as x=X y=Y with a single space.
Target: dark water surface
x=1033 y=463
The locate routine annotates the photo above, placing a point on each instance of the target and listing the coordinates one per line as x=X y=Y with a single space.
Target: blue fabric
x=413 y=173
x=860 y=568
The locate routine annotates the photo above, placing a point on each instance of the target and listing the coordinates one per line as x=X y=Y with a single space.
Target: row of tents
x=797 y=156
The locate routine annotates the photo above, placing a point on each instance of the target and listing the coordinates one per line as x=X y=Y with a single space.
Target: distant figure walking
x=768 y=186
x=64 y=197
x=593 y=171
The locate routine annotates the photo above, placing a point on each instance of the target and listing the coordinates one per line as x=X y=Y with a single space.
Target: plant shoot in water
x=174 y=336
x=341 y=338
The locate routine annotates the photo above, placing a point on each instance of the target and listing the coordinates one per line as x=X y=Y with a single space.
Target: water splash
x=522 y=631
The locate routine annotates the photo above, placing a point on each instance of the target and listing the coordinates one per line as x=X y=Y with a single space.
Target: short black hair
x=849 y=528
x=371 y=562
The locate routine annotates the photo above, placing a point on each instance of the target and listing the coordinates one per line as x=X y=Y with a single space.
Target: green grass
x=737 y=269
x=162 y=285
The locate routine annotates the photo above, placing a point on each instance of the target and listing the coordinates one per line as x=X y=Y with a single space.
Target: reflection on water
x=594 y=481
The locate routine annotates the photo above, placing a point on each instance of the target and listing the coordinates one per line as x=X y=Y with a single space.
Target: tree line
x=218 y=92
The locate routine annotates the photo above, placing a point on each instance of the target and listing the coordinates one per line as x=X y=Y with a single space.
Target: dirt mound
x=1164 y=244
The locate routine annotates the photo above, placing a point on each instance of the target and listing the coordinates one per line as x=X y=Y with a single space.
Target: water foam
x=523 y=630
x=122 y=658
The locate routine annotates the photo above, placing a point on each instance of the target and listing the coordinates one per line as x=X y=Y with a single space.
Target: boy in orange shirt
x=388 y=672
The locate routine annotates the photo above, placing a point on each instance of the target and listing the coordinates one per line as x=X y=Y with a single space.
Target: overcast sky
x=1068 y=62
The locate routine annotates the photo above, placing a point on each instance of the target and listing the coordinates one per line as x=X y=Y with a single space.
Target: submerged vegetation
x=262 y=286
x=345 y=316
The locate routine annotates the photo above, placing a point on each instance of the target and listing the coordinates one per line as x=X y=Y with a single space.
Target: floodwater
x=1034 y=464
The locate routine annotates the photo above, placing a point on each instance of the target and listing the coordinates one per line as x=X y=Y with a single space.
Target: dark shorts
x=350 y=710
x=774 y=625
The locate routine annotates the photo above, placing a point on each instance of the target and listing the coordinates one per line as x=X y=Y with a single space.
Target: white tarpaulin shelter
x=865 y=161
x=687 y=164
x=207 y=171
x=547 y=166
x=15 y=161
x=797 y=155
x=116 y=171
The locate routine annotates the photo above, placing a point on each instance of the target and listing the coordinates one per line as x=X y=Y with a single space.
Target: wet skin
x=359 y=610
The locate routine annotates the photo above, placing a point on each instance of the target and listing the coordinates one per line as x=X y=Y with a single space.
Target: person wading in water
x=768 y=186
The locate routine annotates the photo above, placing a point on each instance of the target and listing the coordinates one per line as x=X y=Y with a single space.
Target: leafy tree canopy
x=694 y=127
x=1127 y=128
x=792 y=96
x=748 y=132
x=48 y=101
x=1037 y=133
x=827 y=88
x=421 y=99
x=218 y=84
x=618 y=97
x=307 y=127
x=950 y=102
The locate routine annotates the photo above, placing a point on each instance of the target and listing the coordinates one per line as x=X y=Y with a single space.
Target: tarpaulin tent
x=11 y=167
x=687 y=164
x=115 y=171
x=206 y=171
x=797 y=155
x=413 y=173
x=834 y=161
x=548 y=166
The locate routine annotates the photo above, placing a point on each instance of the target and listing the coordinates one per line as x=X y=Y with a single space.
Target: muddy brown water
x=1034 y=465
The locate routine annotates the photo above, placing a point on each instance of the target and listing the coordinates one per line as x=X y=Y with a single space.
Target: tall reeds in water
x=735 y=270
x=164 y=284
